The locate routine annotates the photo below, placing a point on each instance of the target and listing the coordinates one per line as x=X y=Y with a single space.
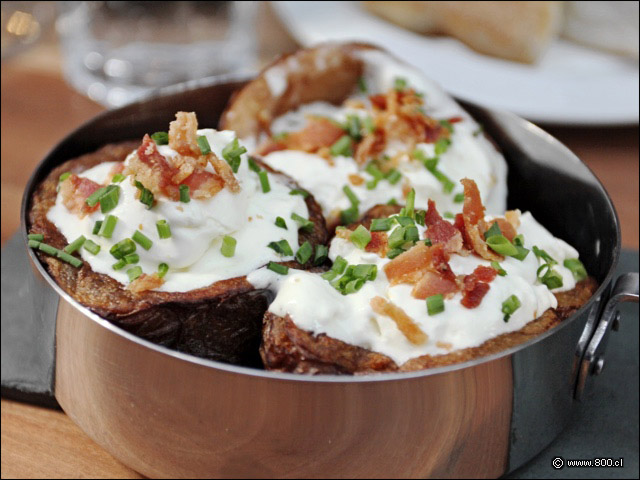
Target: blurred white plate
x=572 y=85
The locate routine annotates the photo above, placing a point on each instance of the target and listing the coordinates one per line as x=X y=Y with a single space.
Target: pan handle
x=625 y=290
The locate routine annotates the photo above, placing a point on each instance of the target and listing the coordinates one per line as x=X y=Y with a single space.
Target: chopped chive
x=304 y=253
x=361 y=237
x=75 y=245
x=459 y=198
x=396 y=239
x=540 y=253
x=350 y=215
x=96 y=227
x=494 y=230
x=231 y=153
x=366 y=271
x=394 y=252
x=163 y=268
x=435 y=304
x=36 y=236
x=518 y=240
x=577 y=268
x=303 y=223
x=362 y=85
x=134 y=273
x=264 y=182
x=119 y=265
x=496 y=266
x=117 y=178
x=253 y=166
x=393 y=176
x=427 y=242
x=110 y=199
x=409 y=204
x=70 y=259
x=34 y=243
x=184 y=194
x=203 y=143
x=551 y=279
x=381 y=224
x=46 y=248
x=368 y=124
x=447 y=184
x=411 y=234
x=322 y=253
x=142 y=240
x=131 y=258
x=161 y=138
x=228 y=248
x=501 y=245
x=146 y=196
x=122 y=248
x=339 y=265
x=93 y=199
x=64 y=176
x=342 y=147
x=298 y=191
x=392 y=201
x=353 y=286
x=400 y=84
x=164 y=230
x=351 y=196
x=377 y=175
x=403 y=220
x=442 y=145
x=509 y=306
x=329 y=276
x=276 y=267
x=449 y=215
x=447 y=125
x=107 y=226
x=522 y=253
x=282 y=247
x=353 y=127
x=420 y=217
x=91 y=247
x=281 y=223
x=478 y=131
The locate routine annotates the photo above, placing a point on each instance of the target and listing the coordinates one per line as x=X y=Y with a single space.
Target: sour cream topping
x=197 y=227
x=470 y=154
x=314 y=305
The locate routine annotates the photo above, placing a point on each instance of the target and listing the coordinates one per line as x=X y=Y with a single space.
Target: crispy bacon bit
x=379 y=101
x=74 y=192
x=434 y=284
x=378 y=244
x=441 y=231
x=225 y=171
x=473 y=208
x=183 y=134
x=445 y=345
x=455 y=119
x=476 y=286
x=343 y=233
x=410 y=266
x=153 y=170
x=404 y=322
x=203 y=184
x=145 y=282
x=356 y=179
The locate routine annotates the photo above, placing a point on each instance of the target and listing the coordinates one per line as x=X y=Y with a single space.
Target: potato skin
x=328 y=72
x=287 y=348
x=222 y=321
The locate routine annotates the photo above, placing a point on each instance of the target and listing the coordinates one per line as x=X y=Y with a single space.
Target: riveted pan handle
x=625 y=290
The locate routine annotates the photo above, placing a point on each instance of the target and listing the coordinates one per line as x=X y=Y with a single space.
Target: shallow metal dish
x=167 y=414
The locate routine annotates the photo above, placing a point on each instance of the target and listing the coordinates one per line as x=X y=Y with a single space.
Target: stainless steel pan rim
x=208 y=82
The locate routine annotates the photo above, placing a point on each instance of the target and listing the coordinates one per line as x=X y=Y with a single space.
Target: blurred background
x=571 y=67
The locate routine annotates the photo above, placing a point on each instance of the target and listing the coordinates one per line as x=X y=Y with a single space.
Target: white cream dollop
x=197 y=227
x=314 y=305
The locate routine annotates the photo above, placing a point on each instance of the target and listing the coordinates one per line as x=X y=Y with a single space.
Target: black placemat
x=604 y=423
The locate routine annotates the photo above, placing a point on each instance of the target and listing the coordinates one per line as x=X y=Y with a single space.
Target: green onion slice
x=362 y=85
x=96 y=227
x=34 y=243
x=442 y=145
x=75 y=245
x=123 y=248
x=298 y=191
x=435 y=304
x=304 y=253
x=117 y=178
x=110 y=199
x=253 y=166
x=164 y=230
x=393 y=176
x=64 y=176
x=381 y=224
x=134 y=273
x=458 y=198
x=264 y=182
x=161 y=138
x=91 y=247
x=447 y=125
x=400 y=84
x=396 y=238
x=184 y=194
x=509 y=306
x=501 y=245
x=494 y=230
x=361 y=237
x=350 y=215
x=231 y=153
x=276 y=267
x=36 y=236
x=282 y=247
x=281 y=223
x=496 y=266
x=70 y=259
x=322 y=253
x=146 y=196
x=107 y=226
x=119 y=265
x=131 y=258
x=351 y=196
x=577 y=268
x=163 y=268
x=228 y=248
x=409 y=204
x=539 y=253
x=203 y=143
x=303 y=223
x=142 y=240
x=342 y=147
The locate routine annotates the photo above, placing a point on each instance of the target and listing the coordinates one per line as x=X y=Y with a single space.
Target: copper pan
x=167 y=414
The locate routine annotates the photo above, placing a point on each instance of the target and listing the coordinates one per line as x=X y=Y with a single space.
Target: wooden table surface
x=38 y=109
